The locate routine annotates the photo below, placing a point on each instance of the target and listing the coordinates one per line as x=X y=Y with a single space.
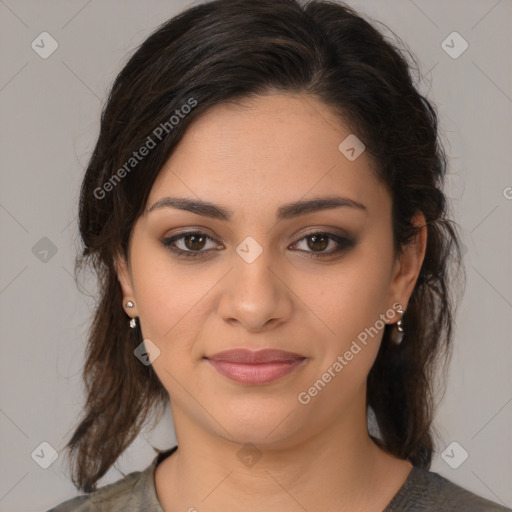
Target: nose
x=255 y=296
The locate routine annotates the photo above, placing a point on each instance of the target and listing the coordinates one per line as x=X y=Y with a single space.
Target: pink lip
x=255 y=368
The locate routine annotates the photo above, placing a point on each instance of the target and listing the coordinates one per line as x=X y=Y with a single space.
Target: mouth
x=255 y=367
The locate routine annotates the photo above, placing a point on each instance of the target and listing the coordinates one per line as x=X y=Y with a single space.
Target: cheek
x=349 y=297
x=349 y=306
x=349 y=301
x=172 y=297
x=162 y=294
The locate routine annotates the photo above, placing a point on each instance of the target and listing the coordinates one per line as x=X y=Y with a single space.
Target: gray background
x=50 y=111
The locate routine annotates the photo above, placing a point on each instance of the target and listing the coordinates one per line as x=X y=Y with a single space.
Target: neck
x=339 y=469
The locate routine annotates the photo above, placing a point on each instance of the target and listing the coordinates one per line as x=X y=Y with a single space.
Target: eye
x=189 y=244
x=319 y=241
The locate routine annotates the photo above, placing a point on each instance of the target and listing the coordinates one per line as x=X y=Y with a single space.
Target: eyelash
x=343 y=244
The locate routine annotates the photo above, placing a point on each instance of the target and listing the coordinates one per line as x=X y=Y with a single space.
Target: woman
x=264 y=210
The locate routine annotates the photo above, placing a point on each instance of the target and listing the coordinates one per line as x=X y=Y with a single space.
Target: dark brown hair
x=226 y=50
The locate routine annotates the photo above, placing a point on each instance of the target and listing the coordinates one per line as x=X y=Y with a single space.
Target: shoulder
x=430 y=491
x=132 y=493
x=125 y=495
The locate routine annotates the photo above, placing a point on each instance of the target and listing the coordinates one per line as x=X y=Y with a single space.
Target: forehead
x=267 y=151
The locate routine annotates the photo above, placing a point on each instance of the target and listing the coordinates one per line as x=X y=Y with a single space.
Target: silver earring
x=133 y=321
x=400 y=328
x=399 y=323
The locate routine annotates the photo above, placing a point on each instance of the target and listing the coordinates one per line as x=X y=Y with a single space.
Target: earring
x=400 y=328
x=133 y=321
x=399 y=323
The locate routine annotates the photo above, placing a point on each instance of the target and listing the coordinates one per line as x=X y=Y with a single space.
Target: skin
x=252 y=157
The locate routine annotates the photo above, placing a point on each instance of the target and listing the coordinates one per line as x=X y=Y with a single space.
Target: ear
x=124 y=277
x=408 y=265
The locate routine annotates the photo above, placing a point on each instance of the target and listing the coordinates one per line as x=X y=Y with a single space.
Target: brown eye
x=194 y=242
x=189 y=244
x=316 y=244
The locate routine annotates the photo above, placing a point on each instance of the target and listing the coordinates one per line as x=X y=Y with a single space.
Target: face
x=254 y=270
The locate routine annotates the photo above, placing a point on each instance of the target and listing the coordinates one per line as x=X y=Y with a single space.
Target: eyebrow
x=284 y=212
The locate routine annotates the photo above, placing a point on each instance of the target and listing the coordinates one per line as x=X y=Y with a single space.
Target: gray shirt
x=423 y=491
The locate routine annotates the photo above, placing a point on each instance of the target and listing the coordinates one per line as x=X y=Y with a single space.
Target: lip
x=255 y=367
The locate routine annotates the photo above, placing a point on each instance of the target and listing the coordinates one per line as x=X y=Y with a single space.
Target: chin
x=261 y=422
